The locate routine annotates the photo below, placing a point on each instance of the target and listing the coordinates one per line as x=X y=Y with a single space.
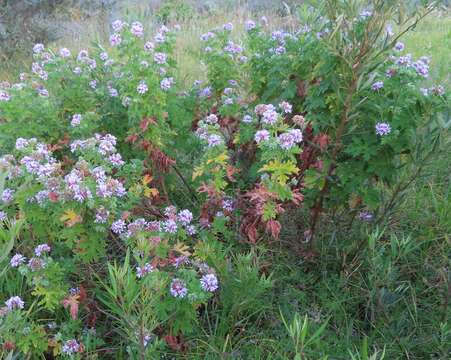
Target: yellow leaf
x=150 y=192
x=197 y=172
x=182 y=249
x=70 y=218
x=220 y=159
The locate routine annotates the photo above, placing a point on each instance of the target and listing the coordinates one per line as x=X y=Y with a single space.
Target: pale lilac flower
x=170 y=226
x=3 y=216
x=211 y=119
x=297 y=135
x=209 y=35
x=36 y=264
x=366 y=14
x=4 y=96
x=247 y=119
x=115 y=39
x=214 y=140
x=116 y=160
x=93 y=84
x=404 y=60
x=399 y=46
x=228 y=91
x=43 y=92
x=126 y=101
x=14 y=302
x=191 y=230
x=103 y=56
x=421 y=68
x=424 y=91
x=101 y=215
x=137 y=29
x=159 y=37
x=160 y=58
x=227 y=205
x=206 y=92
x=118 y=25
x=17 y=260
x=286 y=107
x=38 y=48
x=286 y=141
x=249 y=25
x=40 y=249
x=181 y=260
x=71 y=347
x=64 y=52
x=366 y=216
x=178 y=288
x=383 y=129
x=21 y=143
x=149 y=46
x=438 y=90
x=166 y=83
x=7 y=195
x=233 y=48
x=209 y=282
x=185 y=216
x=228 y=27
x=389 y=30
x=261 y=135
x=170 y=211
x=228 y=101
x=280 y=50
x=82 y=55
x=153 y=226
x=202 y=133
x=143 y=271
x=270 y=117
x=77 y=70
x=113 y=92
x=91 y=63
x=377 y=85
x=118 y=227
x=142 y=88
x=76 y=119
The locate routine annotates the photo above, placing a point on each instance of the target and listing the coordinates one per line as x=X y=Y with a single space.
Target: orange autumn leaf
x=151 y=192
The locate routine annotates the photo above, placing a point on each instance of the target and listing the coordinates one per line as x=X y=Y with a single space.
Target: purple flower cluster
x=377 y=85
x=40 y=249
x=209 y=282
x=261 y=135
x=14 y=302
x=166 y=83
x=144 y=270
x=383 y=129
x=178 y=288
x=71 y=347
x=17 y=260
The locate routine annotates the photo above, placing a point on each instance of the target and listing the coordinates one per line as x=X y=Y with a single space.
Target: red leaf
x=322 y=140
x=175 y=343
x=72 y=302
x=273 y=226
x=146 y=122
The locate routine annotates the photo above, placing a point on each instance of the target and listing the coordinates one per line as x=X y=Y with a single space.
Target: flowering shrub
x=94 y=207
